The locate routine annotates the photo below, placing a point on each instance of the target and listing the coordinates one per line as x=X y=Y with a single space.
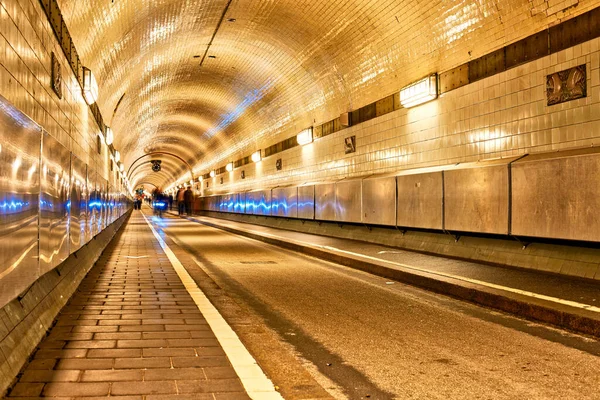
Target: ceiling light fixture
x=419 y=92
x=305 y=137
x=256 y=156
x=212 y=173
x=90 y=87
x=117 y=156
x=229 y=167
x=109 y=136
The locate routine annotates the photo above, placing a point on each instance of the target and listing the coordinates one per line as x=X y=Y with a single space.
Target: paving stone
x=183 y=362
x=76 y=389
x=166 y=352
x=114 y=353
x=85 y=363
x=91 y=344
x=42 y=364
x=118 y=335
x=210 y=386
x=141 y=363
x=219 y=372
x=64 y=353
x=143 y=344
x=112 y=375
x=50 y=376
x=174 y=374
x=26 y=390
x=158 y=387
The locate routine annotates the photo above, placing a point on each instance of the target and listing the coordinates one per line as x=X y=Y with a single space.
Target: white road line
x=257 y=385
x=557 y=300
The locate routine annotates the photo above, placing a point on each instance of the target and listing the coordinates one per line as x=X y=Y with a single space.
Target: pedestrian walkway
x=131 y=331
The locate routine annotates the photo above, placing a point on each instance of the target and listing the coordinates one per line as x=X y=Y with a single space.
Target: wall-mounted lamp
x=117 y=156
x=110 y=137
x=90 y=87
x=192 y=182
x=229 y=167
x=256 y=156
x=305 y=137
x=122 y=167
x=212 y=173
x=419 y=92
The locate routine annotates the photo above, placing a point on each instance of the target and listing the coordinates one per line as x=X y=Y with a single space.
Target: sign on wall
x=350 y=144
x=56 y=76
x=566 y=85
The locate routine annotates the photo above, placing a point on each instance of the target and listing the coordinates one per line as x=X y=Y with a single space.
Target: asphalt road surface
x=362 y=336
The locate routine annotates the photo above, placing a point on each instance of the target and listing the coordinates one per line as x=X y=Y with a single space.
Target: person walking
x=188 y=196
x=170 y=198
x=180 y=201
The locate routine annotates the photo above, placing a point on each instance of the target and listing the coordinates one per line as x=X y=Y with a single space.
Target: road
x=372 y=338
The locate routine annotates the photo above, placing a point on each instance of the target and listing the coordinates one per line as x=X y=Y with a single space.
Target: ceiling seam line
x=215 y=32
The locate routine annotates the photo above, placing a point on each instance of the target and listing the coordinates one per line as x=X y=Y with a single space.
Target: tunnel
x=310 y=199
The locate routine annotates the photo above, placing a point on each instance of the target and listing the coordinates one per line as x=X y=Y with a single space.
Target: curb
x=563 y=316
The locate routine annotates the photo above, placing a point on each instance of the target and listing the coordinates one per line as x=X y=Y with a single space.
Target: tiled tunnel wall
x=499 y=116
x=26 y=44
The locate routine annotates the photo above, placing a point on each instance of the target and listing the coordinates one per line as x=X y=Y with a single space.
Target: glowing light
x=305 y=137
x=229 y=167
x=117 y=156
x=256 y=156
x=110 y=137
x=122 y=167
x=90 y=86
x=16 y=164
x=191 y=182
x=212 y=173
x=419 y=92
x=31 y=172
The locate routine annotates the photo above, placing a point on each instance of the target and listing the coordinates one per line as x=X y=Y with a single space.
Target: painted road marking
x=256 y=383
x=557 y=300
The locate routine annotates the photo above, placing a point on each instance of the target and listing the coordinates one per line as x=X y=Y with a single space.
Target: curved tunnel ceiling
x=278 y=66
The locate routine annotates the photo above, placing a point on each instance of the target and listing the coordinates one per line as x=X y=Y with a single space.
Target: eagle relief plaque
x=566 y=85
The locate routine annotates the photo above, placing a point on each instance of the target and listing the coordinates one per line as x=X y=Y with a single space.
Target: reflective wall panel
x=54 y=208
x=379 y=201
x=476 y=199
x=94 y=207
x=348 y=201
x=78 y=203
x=103 y=193
x=325 y=202
x=19 y=201
x=240 y=203
x=284 y=202
x=557 y=197
x=306 y=202
x=420 y=200
x=262 y=203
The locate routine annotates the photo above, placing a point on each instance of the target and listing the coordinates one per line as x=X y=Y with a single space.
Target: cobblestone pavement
x=131 y=331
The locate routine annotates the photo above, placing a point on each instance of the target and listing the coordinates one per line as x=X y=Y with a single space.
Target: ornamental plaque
x=566 y=85
x=56 y=76
x=350 y=144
